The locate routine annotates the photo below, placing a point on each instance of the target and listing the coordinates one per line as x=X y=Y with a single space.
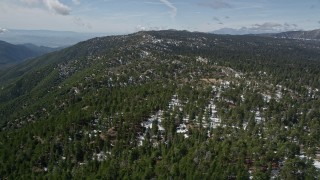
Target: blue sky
x=127 y=16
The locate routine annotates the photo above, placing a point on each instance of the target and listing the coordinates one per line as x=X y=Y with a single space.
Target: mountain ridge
x=12 y=54
x=293 y=34
x=46 y=38
x=302 y=35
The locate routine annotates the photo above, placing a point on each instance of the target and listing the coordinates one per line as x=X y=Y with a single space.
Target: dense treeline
x=225 y=107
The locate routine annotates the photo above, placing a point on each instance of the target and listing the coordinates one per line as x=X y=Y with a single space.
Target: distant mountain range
x=305 y=35
x=46 y=37
x=11 y=54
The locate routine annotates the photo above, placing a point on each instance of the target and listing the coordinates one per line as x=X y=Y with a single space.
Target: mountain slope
x=10 y=54
x=164 y=104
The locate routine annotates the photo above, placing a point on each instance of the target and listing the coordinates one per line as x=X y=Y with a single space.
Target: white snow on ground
x=214 y=121
x=258 y=117
x=237 y=75
x=211 y=121
x=141 y=139
x=101 y=156
x=278 y=92
x=202 y=60
x=278 y=95
x=242 y=98
x=245 y=125
x=182 y=128
x=231 y=72
x=226 y=84
x=148 y=125
x=316 y=164
x=158 y=41
x=175 y=102
x=266 y=97
x=186 y=119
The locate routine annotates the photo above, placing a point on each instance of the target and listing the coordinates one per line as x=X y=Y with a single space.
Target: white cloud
x=16 y=16
x=268 y=26
x=2 y=30
x=149 y=28
x=57 y=6
x=54 y=5
x=174 y=10
x=272 y=27
x=140 y=28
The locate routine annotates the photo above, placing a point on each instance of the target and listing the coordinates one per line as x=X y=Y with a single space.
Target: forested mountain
x=164 y=105
x=302 y=35
x=10 y=53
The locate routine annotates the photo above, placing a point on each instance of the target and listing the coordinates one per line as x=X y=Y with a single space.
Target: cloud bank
x=149 y=28
x=173 y=9
x=57 y=7
x=53 y=5
x=270 y=27
x=2 y=30
x=267 y=27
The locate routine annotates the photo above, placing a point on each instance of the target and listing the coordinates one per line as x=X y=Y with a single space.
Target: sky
x=127 y=16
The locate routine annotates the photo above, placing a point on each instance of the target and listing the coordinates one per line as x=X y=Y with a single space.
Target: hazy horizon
x=124 y=16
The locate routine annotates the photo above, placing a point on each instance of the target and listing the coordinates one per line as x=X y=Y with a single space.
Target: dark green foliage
x=80 y=113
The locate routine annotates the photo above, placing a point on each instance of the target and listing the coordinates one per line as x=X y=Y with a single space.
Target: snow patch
x=202 y=60
x=316 y=164
x=266 y=97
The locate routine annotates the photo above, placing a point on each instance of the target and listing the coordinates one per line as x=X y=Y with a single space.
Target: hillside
x=11 y=54
x=164 y=105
